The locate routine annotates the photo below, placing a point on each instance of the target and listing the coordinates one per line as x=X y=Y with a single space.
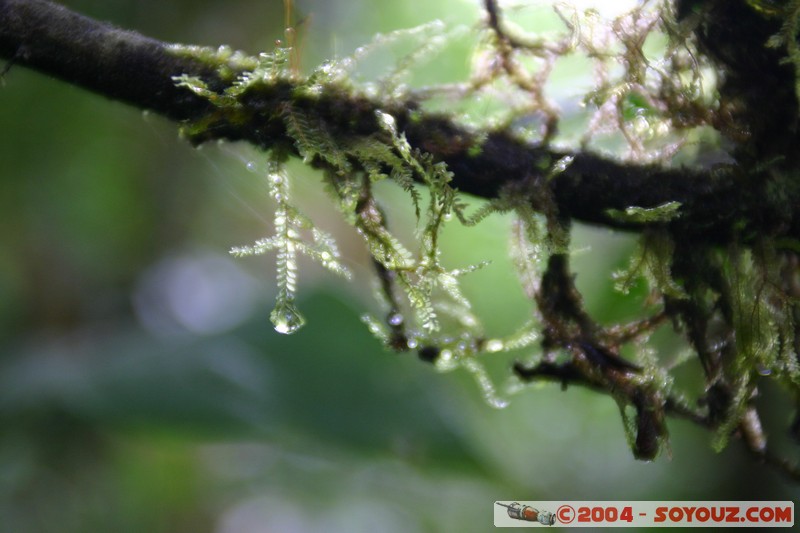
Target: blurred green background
x=142 y=387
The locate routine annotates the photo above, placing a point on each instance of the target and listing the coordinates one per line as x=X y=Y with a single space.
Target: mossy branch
x=719 y=245
x=126 y=66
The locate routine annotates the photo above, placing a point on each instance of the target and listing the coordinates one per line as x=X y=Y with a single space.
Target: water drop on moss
x=286 y=319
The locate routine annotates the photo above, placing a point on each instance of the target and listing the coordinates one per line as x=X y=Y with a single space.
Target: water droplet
x=371 y=90
x=494 y=345
x=562 y=164
x=286 y=319
x=314 y=90
x=497 y=402
x=641 y=127
x=251 y=166
x=395 y=319
x=386 y=120
x=468 y=321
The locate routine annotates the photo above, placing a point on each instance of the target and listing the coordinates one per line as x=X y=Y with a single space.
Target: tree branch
x=138 y=70
x=119 y=64
x=752 y=200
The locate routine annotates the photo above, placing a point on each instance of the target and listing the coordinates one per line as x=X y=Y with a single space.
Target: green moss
x=228 y=63
x=661 y=213
x=735 y=305
x=768 y=8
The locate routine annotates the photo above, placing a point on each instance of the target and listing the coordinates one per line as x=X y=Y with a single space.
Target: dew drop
x=562 y=164
x=286 y=319
x=395 y=319
x=314 y=90
x=251 y=166
x=496 y=402
x=386 y=120
x=468 y=321
x=494 y=345
x=371 y=90
x=641 y=126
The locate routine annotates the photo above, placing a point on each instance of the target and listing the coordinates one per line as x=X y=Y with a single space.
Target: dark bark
x=119 y=64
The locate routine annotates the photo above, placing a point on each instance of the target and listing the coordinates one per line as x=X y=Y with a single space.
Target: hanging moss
x=737 y=305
